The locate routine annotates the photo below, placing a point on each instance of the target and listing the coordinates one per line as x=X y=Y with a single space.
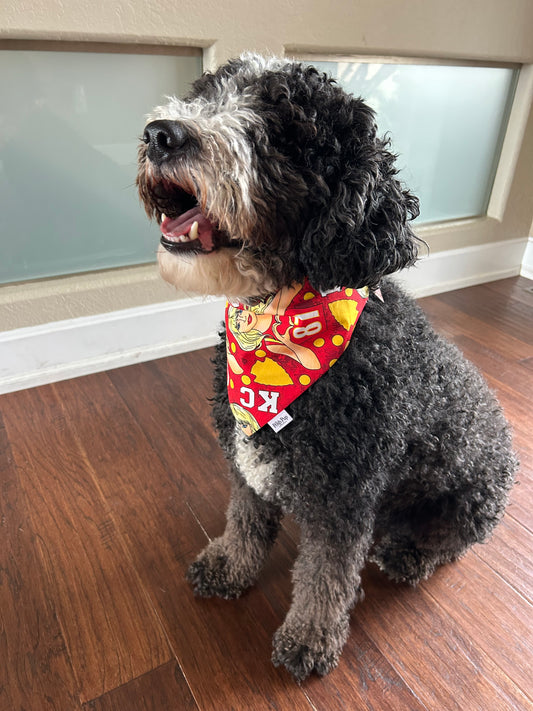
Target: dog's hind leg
x=403 y=561
x=326 y=579
x=415 y=541
x=230 y=564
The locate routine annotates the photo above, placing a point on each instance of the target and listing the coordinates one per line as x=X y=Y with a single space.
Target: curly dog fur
x=399 y=454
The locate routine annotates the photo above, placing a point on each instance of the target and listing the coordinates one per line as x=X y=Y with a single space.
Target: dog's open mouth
x=190 y=231
x=184 y=227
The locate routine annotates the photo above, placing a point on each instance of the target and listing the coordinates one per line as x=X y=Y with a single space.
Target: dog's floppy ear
x=362 y=231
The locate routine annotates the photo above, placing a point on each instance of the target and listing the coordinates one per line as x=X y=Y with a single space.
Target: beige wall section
x=485 y=30
x=45 y=300
x=479 y=29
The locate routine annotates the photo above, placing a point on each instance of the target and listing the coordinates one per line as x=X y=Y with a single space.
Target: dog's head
x=266 y=173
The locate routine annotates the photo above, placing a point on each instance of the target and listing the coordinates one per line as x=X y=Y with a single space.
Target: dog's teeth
x=163 y=216
x=193 y=232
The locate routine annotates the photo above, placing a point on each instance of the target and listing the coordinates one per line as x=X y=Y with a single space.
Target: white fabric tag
x=281 y=420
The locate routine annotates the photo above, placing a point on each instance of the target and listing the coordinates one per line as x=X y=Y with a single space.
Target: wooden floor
x=109 y=486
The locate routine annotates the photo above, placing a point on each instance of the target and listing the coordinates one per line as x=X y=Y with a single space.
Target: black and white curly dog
x=269 y=181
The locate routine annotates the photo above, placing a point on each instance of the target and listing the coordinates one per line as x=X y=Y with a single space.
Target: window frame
x=512 y=137
x=97 y=48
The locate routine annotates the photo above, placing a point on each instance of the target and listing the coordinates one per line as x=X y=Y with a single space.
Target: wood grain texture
x=438 y=659
x=209 y=637
x=171 y=406
x=35 y=670
x=111 y=484
x=164 y=689
x=497 y=307
x=111 y=632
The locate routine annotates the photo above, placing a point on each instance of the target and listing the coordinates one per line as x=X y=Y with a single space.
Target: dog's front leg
x=326 y=586
x=230 y=564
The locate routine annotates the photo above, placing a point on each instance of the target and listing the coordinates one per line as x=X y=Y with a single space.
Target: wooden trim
x=513 y=138
x=361 y=57
x=111 y=47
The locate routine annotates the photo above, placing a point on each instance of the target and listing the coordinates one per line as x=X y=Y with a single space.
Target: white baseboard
x=527 y=262
x=67 y=349
x=468 y=266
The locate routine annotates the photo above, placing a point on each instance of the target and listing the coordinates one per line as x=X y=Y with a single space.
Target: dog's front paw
x=305 y=647
x=214 y=573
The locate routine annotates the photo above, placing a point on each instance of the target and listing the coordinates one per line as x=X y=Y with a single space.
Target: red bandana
x=278 y=348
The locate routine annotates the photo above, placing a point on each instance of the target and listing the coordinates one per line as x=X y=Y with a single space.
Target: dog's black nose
x=164 y=139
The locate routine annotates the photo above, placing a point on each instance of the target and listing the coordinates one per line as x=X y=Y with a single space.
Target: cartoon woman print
x=245 y=419
x=250 y=325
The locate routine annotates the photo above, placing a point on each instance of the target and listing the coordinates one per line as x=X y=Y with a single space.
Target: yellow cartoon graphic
x=268 y=372
x=345 y=312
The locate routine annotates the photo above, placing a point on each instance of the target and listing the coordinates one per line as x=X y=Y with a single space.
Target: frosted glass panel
x=69 y=129
x=446 y=123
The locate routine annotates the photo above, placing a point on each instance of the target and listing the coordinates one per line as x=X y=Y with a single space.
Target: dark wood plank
x=169 y=399
x=498 y=619
x=528 y=363
x=521 y=498
x=509 y=555
x=223 y=648
x=434 y=651
x=163 y=689
x=517 y=409
x=111 y=631
x=364 y=679
x=35 y=669
x=511 y=316
x=514 y=288
x=451 y=322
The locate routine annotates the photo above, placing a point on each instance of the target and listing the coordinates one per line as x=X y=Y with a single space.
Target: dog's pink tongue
x=174 y=229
